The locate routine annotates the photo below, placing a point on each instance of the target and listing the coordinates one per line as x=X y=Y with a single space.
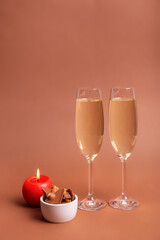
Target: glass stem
x=124 y=195
x=90 y=180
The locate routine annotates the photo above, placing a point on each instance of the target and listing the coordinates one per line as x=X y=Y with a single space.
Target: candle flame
x=38 y=174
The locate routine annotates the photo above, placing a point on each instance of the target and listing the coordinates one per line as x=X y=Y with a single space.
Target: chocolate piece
x=66 y=200
x=55 y=189
x=58 y=197
x=50 y=190
x=71 y=194
x=66 y=194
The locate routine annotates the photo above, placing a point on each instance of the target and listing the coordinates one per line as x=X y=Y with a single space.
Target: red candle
x=32 y=188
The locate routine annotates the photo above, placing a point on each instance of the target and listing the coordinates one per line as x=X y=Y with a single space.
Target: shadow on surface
x=20 y=202
x=36 y=211
x=37 y=215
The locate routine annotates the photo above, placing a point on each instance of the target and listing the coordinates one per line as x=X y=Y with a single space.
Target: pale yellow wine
x=89 y=126
x=123 y=125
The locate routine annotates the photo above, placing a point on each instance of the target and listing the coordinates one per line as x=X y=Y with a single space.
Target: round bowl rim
x=57 y=204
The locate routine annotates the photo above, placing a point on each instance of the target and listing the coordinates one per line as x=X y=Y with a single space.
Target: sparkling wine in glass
x=89 y=134
x=123 y=132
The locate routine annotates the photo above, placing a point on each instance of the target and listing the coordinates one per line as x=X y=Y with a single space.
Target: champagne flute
x=123 y=132
x=89 y=133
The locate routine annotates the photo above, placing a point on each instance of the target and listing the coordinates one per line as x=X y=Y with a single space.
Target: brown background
x=48 y=49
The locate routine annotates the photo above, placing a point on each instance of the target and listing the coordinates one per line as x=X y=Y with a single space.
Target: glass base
x=124 y=203
x=91 y=205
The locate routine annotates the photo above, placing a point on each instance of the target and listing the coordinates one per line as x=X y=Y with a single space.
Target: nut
x=50 y=196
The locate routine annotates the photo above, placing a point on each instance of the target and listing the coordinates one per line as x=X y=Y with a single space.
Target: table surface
x=19 y=221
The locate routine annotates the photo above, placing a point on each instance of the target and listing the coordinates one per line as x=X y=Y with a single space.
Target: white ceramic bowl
x=59 y=212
